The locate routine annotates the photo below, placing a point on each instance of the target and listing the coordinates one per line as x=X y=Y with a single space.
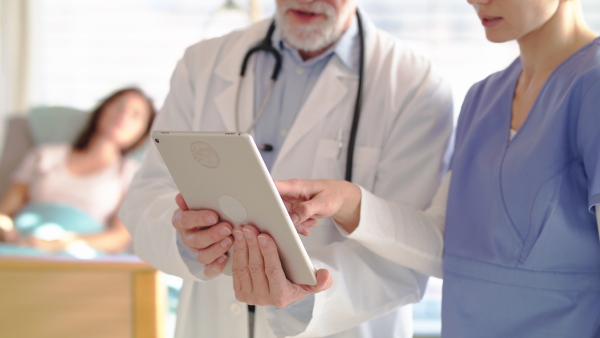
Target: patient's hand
x=54 y=245
x=7 y=229
x=201 y=232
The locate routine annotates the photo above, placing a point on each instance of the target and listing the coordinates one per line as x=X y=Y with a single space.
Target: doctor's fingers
x=320 y=206
x=242 y=282
x=304 y=227
x=190 y=219
x=215 y=268
x=296 y=188
x=281 y=291
x=250 y=283
x=181 y=202
x=256 y=267
x=324 y=282
x=202 y=239
x=327 y=198
x=213 y=252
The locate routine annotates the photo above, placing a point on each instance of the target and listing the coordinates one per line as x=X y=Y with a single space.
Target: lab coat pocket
x=330 y=162
x=364 y=170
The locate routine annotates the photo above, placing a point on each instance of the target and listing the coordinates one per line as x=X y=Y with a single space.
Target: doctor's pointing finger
x=308 y=200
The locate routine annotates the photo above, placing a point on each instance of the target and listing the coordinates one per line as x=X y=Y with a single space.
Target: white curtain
x=14 y=59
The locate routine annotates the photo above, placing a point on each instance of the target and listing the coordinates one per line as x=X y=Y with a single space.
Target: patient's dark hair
x=83 y=140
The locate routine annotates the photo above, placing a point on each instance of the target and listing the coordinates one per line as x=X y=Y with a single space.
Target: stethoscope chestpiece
x=265 y=147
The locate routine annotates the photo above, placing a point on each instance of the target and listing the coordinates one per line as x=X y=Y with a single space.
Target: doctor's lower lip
x=489 y=22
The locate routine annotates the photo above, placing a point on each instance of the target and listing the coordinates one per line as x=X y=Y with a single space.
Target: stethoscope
x=266 y=46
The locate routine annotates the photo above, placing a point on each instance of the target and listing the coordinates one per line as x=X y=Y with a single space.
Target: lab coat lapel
x=228 y=70
x=325 y=96
x=226 y=100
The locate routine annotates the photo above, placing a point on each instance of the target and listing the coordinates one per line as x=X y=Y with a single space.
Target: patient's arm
x=15 y=198
x=114 y=239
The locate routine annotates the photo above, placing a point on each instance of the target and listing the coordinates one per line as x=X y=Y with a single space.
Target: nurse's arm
x=258 y=276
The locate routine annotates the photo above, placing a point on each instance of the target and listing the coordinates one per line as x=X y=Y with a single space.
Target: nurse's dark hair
x=90 y=129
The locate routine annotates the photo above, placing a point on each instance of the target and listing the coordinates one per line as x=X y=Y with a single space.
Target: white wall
x=14 y=59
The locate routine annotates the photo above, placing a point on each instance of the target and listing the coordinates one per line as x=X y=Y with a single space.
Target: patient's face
x=124 y=120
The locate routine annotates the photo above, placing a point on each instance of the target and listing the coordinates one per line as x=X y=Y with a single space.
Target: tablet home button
x=233 y=208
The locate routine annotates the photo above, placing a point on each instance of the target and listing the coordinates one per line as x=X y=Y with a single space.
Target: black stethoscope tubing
x=266 y=46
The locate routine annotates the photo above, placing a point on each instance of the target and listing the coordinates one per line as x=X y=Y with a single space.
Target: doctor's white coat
x=401 y=153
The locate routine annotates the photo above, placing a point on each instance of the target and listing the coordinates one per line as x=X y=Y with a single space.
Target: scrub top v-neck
x=522 y=256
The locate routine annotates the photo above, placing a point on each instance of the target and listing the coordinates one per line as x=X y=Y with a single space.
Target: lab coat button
x=235 y=308
x=300 y=71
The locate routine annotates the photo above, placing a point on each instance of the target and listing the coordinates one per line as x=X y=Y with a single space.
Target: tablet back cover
x=224 y=172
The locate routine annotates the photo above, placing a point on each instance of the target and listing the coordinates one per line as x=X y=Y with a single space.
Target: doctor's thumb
x=324 y=282
x=181 y=202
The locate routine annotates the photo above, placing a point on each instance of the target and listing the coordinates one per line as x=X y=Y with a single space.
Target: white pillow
x=51 y=125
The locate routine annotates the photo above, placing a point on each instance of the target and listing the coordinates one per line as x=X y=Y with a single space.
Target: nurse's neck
x=545 y=48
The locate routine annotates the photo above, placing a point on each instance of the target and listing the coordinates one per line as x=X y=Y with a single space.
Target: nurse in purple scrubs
x=516 y=219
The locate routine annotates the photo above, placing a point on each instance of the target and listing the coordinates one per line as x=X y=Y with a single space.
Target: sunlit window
x=85 y=49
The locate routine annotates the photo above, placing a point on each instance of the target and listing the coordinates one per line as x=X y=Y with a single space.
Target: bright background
x=73 y=53
x=78 y=51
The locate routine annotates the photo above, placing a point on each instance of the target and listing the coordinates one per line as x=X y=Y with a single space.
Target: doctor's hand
x=307 y=200
x=202 y=233
x=258 y=277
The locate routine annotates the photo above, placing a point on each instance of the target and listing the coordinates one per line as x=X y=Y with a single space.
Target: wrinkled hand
x=258 y=277
x=303 y=228
x=204 y=235
x=307 y=200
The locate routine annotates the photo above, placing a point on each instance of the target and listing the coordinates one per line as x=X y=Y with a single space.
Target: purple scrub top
x=522 y=256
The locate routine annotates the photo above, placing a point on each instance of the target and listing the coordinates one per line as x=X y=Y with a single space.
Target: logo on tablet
x=205 y=154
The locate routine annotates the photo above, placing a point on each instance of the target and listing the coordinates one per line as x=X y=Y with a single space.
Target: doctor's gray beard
x=309 y=37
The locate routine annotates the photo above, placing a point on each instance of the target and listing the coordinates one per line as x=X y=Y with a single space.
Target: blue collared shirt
x=294 y=85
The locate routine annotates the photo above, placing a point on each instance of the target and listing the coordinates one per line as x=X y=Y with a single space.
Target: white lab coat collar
x=330 y=89
x=327 y=94
x=227 y=99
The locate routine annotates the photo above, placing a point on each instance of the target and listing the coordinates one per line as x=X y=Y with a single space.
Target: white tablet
x=224 y=172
